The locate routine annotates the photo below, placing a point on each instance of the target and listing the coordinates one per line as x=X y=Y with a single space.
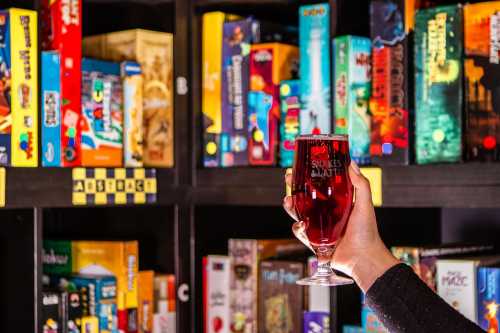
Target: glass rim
x=337 y=137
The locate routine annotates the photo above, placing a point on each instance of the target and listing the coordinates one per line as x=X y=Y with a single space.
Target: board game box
x=423 y=259
x=154 y=52
x=457 y=283
x=18 y=88
x=145 y=301
x=438 y=84
x=164 y=293
x=391 y=23
x=315 y=69
x=352 y=80
x=245 y=255
x=61 y=31
x=236 y=40
x=290 y=120
x=102 y=114
x=100 y=258
x=133 y=125
x=370 y=321
x=482 y=89
x=270 y=63
x=101 y=301
x=281 y=300
x=51 y=312
x=51 y=109
x=488 y=298
x=316 y=322
x=216 y=293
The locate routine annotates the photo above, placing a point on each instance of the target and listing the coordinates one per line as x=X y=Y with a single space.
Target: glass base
x=324 y=280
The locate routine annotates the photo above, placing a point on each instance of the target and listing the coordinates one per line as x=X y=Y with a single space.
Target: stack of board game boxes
x=95 y=287
x=112 y=108
x=399 y=94
x=254 y=289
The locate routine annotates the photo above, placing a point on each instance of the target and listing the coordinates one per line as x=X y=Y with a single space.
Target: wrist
x=372 y=265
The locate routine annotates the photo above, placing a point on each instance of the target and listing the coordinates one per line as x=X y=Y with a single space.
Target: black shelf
x=52 y=187
x=467 y=185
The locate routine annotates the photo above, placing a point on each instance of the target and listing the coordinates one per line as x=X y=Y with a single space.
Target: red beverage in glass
x=322 y=190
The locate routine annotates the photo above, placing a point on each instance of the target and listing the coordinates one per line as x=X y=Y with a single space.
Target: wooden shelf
x=52 y=187
x=453 y=185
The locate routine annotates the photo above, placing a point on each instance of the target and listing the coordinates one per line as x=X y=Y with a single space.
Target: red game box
x=62 y=32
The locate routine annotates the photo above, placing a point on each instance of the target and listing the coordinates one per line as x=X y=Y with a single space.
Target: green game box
x=438 y=84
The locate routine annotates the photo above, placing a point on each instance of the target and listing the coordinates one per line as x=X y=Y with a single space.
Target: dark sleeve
x=404 y=303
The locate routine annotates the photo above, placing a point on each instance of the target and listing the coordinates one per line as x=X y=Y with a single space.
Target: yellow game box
x=154 y=52
x=18 y=88
x=145 y=284
x=120 y=259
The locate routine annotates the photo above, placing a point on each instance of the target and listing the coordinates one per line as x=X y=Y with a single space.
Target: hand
x=360 y=253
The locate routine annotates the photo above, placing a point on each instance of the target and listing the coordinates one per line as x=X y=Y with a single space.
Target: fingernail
x=355 y=168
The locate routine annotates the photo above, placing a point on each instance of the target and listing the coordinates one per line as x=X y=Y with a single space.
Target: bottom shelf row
x=95 y=287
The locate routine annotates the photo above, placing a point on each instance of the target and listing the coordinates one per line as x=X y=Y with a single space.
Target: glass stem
x=324 y=269
x=324 y=255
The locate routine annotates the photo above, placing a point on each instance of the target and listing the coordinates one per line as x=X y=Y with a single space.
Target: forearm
x=405 y=304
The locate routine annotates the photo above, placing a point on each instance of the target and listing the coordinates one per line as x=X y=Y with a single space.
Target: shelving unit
x=199 y=209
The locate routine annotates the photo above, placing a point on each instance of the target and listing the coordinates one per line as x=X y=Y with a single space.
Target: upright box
x=62 y=32
x=18 y=74
x=370 y=321
x=133 y=124
x=281 y=300
x=290 y=120
x=102 y=114
x=101 y=302
x=316 y=322
x=457 y=284
x=51 y=312
x=438 y=84
x=164 y=293
x=216 y=294
x=423 y=259
x=352 y=80
x=390 y=100
x=482 y=68
x=270 y=63
x=318 y=296
x=100 y=258
x=236 y=40
x=145 y=300
x=314 y=42
x=488 y=298
x=245 y=255
x=211 y=101
x=154 y=52
x=51 y=109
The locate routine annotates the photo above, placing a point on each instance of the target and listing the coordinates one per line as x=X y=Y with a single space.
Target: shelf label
x=2 y=187
x=114 y=186
x=374 y=176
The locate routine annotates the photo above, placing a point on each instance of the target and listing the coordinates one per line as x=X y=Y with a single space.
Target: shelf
x=52 y=187
x=454 y=185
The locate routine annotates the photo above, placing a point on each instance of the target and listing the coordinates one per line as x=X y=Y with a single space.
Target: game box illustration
x=482 y=88
x=290 y=120
x=315 y=69
x=438 y=84
x=281 y=300
x=391 y=22
x=270 y=64
x=488 y=298
x=352 y=81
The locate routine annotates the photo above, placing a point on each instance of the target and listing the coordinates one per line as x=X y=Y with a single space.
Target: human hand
x=360 y=253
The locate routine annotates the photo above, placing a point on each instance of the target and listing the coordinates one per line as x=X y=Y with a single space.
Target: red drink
x=321 y=189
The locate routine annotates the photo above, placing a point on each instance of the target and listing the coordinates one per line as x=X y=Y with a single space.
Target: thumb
x=362 y=186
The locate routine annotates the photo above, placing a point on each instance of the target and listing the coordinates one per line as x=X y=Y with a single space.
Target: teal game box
x=352 y=79
x=314 y=43
x=438 y=84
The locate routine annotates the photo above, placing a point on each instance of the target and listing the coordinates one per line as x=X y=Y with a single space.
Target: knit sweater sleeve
x=403 y=303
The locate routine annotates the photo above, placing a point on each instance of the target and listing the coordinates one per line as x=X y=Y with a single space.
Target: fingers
x=288 y=206
x=361 y=184
x=288 y=178
x=299 y=230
